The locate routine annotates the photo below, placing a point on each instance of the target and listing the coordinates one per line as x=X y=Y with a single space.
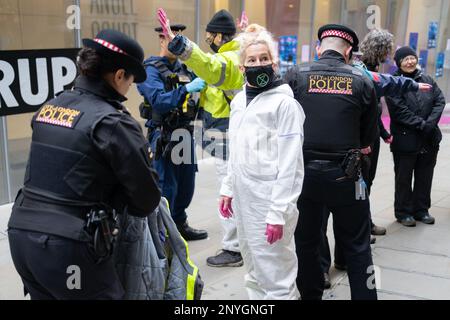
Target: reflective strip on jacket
x=221 y=72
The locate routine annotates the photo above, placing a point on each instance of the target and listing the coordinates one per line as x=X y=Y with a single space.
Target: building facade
x=48 y=24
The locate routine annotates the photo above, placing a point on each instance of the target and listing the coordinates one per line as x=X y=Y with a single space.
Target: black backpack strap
x=226 y=97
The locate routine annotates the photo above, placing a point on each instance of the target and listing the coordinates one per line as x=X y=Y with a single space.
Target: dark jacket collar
x=98 y=87
x=332 y=55
x=415 y=75
x=174 y=67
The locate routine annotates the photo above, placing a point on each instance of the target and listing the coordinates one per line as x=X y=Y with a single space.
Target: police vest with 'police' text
x=330 y=97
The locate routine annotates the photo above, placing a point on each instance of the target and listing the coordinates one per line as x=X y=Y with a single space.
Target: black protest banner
x=28 y=78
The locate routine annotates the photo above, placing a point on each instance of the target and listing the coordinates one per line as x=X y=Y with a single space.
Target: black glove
x=178 y=45
x=428 y=128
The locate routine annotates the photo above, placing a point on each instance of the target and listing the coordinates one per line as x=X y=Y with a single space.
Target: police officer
x=171 y=97
x=88 y=160
x=224 y=78
x=340 y=104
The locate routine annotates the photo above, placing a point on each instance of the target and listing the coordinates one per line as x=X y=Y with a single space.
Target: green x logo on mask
x=262 y=80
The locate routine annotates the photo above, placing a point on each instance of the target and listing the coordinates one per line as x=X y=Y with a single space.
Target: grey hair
x=334 y=43
x=376 y=46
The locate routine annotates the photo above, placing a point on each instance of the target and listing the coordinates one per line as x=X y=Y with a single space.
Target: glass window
x=420 y=16
x=207 y=11
x=136 y=18
x=444 y=46
x=29 y=24
x=3 y=183
x=294 y=18
x=355 y=15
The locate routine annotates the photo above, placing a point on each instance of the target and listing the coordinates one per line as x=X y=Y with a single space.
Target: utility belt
x=95 y=225
x=102 y=225
x=164 y=144
x=187 y=111
x=311 y=155
x=354 y=164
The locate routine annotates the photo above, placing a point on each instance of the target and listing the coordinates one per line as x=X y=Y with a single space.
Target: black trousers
x=321 y=191
x=374 y=156
x=325 y=252
x=53 y=267
x=324 y=246
x=413 y=199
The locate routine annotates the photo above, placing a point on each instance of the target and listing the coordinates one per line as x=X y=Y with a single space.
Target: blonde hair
x=255 y=34
x=254 y=27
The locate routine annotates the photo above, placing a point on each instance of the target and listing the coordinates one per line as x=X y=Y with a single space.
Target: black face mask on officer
x=260 y=76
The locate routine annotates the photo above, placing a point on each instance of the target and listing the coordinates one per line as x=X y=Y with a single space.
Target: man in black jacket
x=340 y=105
x=416 y=139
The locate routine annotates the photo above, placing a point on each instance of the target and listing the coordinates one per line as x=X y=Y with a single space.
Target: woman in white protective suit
x=265 y=171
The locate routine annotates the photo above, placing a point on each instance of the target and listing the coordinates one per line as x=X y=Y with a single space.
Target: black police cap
x=339 y=31
x=121 y=47
x=173 y=27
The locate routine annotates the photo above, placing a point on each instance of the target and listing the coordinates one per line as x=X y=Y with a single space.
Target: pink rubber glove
x=225 y=208
x=242 y=23
x=165 y=24
x=425 y=87
x=274 y=233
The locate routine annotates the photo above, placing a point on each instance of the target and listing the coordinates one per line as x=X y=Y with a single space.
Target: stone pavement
x=414 y=263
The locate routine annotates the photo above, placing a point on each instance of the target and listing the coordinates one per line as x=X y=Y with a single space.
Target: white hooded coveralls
x=264 y=178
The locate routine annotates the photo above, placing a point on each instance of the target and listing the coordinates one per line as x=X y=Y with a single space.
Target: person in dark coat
x=416 y=138
x=376 y=47
x=88 y=161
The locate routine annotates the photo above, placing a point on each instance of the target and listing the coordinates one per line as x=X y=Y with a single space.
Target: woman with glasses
x=416 y=138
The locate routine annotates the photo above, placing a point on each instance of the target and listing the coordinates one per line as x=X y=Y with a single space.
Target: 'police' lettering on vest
x=59 y=116
x=324 y=84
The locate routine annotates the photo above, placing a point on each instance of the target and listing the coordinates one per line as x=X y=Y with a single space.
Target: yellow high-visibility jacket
x=221 y=73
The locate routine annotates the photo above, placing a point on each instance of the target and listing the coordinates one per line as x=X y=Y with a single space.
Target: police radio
x=145 y=110
x=102 y=226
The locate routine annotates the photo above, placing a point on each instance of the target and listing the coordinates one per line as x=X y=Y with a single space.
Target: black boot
x=191 y=234
x=427 y=219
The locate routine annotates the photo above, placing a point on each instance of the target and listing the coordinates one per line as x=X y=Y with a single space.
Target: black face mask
x=214 y=47
x=260 y=76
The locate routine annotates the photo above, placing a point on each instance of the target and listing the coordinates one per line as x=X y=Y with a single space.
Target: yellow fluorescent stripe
x=190 y=285
x=190 y=282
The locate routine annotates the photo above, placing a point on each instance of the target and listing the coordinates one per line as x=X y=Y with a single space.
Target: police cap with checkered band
x=119 y=46
x=339 y=31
